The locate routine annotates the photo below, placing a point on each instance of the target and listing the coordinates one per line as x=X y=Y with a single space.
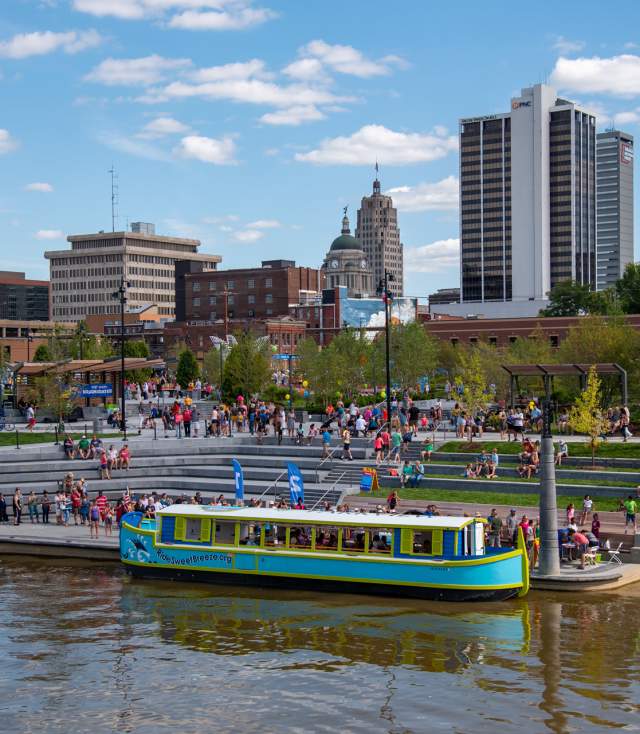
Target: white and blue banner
x=239 y=480
x=296 y=485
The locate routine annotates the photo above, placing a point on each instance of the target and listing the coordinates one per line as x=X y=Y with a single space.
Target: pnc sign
x=515 y=105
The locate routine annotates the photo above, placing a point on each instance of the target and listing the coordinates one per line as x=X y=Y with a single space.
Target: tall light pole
x=549 y=559
x=387 y=298
x=121 y=295
x=29 y=340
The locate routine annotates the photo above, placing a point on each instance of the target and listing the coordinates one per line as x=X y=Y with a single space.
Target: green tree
x=587 y=416
x=213 y=365
x=136 y=348
x=413 y=353
x=477 y=391
x=628 y=288
x=188 y=369
x=83 y=345
x=53 y=393
x=573 y=299
x=247 y=368
x=43 y=354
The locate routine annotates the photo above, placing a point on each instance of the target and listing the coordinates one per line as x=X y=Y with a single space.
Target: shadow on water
x=293 y=662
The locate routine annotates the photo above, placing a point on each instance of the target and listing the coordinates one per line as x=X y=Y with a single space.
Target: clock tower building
x=347 y=265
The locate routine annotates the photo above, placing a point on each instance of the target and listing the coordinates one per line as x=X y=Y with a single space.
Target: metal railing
x=273 y=486
x=326 y=458
x=331 y=488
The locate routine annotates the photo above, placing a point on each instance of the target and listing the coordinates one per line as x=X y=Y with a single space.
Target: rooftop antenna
x=114 y=197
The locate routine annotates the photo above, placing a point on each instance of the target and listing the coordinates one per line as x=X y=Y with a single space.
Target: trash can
x=98 y=425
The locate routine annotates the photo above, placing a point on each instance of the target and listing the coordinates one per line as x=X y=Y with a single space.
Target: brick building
x=22 y=299
x=248 y=293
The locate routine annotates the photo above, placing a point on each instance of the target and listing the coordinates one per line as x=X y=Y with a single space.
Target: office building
x=614 y=182
x=527 y=204
x=143 y=227
x=22 y=299
x=248 y=293
x=378 y=232
x=346 y=264
x=84 y=278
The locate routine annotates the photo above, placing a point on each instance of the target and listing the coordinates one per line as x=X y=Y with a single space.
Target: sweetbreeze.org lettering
x=194 y=558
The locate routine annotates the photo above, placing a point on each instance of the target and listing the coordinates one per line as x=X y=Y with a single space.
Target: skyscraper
x=527 y=204
x=378 y=231
x=614 y=181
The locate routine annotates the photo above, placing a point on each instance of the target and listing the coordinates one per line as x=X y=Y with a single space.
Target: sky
x=249 y=124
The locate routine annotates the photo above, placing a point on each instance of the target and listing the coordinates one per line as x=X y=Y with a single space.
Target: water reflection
x=160 y=654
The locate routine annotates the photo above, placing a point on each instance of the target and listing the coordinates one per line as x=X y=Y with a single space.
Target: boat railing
x=326 y=492
x=324 y=461
x=273 y=486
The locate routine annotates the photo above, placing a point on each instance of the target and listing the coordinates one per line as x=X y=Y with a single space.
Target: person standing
x=495 y=529
x=512 y=525
x=32 y=505
x=17 y=506
x=94 y=520
x=630 y=508
x=346 y=444
x=326 y=443
x=587 y=507
x=186 y=419
x=46 y=507
x=3 y=509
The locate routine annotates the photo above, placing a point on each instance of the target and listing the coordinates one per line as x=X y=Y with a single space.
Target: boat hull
x=326 y=585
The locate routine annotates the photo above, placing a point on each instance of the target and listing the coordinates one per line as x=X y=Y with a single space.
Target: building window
x=269 y=312
x=268 y=282
x=251 y=283
x=493 y=341
x=554 y=340
x=454 y=342
x=230 y=300
x=213 y=316
x=513 y=339
x=231 y=284
x=212 y=300
x=195 y=286
x=251 y=299
x=473 y=340
x=195 y=302
x=268 y=298
x=251 y=313
x=212 y=285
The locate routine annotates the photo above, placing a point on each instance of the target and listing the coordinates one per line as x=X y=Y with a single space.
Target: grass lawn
x=559 y=480
x=607 y=450
x=489 y=498
x=8 y=438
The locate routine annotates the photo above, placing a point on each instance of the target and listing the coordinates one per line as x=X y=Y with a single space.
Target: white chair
x=589 y=557
x=614 y=555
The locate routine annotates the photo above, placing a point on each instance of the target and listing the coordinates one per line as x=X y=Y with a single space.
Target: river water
x=84 y=648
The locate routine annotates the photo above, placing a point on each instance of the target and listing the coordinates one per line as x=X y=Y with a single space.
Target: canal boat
x=437 y=557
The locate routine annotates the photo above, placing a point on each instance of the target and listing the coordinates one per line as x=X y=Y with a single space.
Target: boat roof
x=302 y=517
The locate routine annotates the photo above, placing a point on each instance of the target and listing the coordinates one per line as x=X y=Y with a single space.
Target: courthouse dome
x=346 y=241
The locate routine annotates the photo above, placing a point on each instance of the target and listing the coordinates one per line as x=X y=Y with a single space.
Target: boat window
x=422 y=542
x=300 y=536
x=379 y=540
x=326 y=539
x=249 y=533
x=353 y=539
x=274 y=535
x=192 y=529
x=225 y=532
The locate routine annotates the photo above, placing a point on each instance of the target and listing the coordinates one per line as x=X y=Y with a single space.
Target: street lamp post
x=387 y=297
x=29 y=340
x=121 y=295
x=549 y=560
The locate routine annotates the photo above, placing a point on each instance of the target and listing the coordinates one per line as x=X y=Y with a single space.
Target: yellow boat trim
x=323 y=577
x=522 y=547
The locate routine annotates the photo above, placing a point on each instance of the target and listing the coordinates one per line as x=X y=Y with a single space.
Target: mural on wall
x=369 y=312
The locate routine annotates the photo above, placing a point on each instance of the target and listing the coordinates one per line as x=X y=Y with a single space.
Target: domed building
x=346 y=264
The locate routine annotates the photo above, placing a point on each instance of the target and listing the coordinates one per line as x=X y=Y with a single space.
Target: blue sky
x=249 y=125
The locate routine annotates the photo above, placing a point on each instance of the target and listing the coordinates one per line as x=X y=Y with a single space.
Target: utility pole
x=121 y=295
x=549 y=560
x=114 y=197
x=387 y=297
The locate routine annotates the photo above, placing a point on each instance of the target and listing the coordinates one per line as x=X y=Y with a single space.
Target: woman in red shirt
x=76 y=503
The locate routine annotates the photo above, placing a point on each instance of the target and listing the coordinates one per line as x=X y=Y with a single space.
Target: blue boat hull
x=326 y=585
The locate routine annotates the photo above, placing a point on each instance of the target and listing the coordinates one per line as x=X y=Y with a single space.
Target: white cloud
x=295 y=115
x=225 y=20
x=566 y=46
x=434 y=257
x=133 y=146
x=248 y=235
x=630 y=117
x=162 y=126
x=345 y=59
x=255 y=68
x=216 y=15
x=306 y=70
x=38 y=43
x=209 y=150
x=631 y=45
x=39 y=186
x=618 y=75
x=264 y=224
x=141 y=71
x=439 y=196
x=376 y=142
x=7 y=142
x=49 y=234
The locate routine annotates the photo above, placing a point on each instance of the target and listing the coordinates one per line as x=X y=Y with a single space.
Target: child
x=94 y=520
x=427 y=450
x=299 y=435
x=108 y=520
x=595 y=525
x=469 y=473
x=103 y=467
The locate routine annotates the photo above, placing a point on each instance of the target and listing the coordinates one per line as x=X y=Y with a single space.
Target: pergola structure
x=88 y=370
x=548 y=371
